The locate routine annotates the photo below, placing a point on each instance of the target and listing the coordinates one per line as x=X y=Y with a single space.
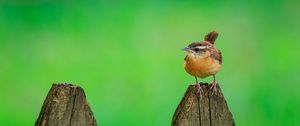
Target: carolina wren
x=203 y=59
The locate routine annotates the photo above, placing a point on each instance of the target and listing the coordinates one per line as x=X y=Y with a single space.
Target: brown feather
x=206 y=63
x=201 y=43
x=216 y=54
x=202 y=66
x=211 y=37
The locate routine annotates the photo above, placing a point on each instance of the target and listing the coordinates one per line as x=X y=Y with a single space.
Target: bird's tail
x=211 y=37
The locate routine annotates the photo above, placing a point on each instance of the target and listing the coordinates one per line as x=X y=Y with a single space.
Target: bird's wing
x=220 y=56
x=217 y=55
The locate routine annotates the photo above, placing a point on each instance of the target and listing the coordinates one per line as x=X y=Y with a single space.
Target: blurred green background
x=127 y=57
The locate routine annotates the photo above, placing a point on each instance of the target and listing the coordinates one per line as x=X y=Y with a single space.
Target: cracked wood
x=208 y=110
x=66 y=105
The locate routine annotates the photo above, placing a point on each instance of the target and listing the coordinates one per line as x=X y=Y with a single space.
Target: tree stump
x=66 y=105
x=208 y=110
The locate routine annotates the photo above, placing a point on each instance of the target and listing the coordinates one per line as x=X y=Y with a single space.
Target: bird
x=203 y=59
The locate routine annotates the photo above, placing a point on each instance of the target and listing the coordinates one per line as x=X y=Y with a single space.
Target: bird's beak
x=186 y=49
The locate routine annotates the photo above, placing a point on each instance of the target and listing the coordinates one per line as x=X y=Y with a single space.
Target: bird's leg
x=196 y=80
x=214 y=86
x=199 y=89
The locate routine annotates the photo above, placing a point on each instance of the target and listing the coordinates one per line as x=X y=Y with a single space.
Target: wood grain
x=66 y=105
x=207 y=110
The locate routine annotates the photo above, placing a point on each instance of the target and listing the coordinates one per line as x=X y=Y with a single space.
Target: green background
x=127 y=57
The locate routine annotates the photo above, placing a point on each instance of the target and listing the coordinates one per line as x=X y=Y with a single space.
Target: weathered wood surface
x=66 y=105
x=208 y=110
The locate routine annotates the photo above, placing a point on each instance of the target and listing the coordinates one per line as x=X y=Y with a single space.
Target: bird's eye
x=196 y=49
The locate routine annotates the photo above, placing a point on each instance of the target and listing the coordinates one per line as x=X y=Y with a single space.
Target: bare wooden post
x=66 y=105
x=208 y=110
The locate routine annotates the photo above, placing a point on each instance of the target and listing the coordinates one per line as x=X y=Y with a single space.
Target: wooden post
x=66 y=105
x=208 y=110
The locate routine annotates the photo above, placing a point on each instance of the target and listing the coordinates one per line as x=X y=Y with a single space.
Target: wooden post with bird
x=66 y=105
x=203 y=104
x=209 y=109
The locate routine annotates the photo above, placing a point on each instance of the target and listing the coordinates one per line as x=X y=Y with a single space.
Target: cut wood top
x=66 y=105
x=208 y=110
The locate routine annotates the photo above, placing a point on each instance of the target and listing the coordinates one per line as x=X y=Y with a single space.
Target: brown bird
x=203 y=59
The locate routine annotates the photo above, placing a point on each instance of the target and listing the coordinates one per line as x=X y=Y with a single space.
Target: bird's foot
x=199 y=89
x=214 y=88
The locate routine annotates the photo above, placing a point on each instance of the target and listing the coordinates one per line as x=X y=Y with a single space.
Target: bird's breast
x=201 y=66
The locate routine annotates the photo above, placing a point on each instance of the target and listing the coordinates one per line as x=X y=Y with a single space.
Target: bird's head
x=198 y=48
x=203 y=47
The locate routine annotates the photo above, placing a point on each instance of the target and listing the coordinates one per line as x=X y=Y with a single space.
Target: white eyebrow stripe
x=201 y=47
